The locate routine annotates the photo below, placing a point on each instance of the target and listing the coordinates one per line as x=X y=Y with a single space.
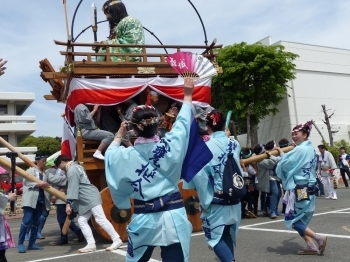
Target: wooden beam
x=141 y=46
x=53 y=75
x=49 y=97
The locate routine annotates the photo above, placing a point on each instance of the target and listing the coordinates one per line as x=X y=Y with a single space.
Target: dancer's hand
x=188 y=88
x=2 y=68
x=189 y=82
x=122 y=132
x=12 y=196
x=43 y=184
x=68 y=209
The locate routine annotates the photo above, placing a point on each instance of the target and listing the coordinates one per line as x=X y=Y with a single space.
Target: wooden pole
x=261 y=157
x=29 y=177
x=66 y=225
x=66 y=16
x=20 y=155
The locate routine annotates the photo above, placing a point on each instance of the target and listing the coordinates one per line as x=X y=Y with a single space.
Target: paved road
x=260 y=240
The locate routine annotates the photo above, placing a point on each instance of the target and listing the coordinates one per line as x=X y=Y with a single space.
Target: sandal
x=323 y=246
x=307 y=252
x=251 y=214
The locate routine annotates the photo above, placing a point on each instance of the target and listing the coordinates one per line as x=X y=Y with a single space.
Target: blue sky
x=27 y=30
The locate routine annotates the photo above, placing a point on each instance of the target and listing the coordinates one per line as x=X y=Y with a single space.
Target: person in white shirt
x=343 y=163
x=326 y=165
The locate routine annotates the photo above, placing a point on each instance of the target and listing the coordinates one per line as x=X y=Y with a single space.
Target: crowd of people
x=158 y=162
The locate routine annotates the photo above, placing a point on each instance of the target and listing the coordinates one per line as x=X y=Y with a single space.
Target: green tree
x=254 y=81
x=47 y=145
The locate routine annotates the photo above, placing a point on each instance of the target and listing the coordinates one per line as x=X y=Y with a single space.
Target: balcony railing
x=16 y=119
x=28 y=152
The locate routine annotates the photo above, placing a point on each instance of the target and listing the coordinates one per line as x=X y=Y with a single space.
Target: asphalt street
x=260 y=239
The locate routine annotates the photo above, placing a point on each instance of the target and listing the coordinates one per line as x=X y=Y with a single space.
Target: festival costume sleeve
x=292 y=166
x=251 y=170
x=178 y=140
x=284 y=169
x=116 y=183
x=56 y=180
x=27 y=183
x=3 y=202
x=331 y=161
x=203 y=186
x=267 y=163
x=128 y=31
x=73 y=185
x=204 y=180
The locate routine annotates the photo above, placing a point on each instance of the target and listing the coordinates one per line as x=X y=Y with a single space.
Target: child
x=6 y=239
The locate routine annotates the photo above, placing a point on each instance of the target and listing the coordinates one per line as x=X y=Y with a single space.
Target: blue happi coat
x=147 y=171
x=297 y=167
x=209 y=180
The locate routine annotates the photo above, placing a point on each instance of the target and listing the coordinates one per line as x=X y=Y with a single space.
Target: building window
x=6 y=138
x=3 y=109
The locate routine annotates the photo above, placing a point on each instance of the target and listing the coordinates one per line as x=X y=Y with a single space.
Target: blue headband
x=247 y=155
x=262 y=149
x=284 y=145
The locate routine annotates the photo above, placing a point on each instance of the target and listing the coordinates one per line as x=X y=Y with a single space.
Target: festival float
x=84 y=80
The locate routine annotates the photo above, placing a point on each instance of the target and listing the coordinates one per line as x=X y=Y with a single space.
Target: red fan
x=188 y=64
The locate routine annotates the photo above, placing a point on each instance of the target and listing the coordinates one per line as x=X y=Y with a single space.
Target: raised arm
x=2 y=68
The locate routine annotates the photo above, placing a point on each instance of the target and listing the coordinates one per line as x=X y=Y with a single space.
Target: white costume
x=326 y=162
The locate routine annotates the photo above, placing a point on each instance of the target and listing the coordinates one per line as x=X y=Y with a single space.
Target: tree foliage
x=252 y=74
x=47 y=145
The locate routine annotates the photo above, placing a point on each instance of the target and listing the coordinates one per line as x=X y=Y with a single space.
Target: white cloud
x=29 y=27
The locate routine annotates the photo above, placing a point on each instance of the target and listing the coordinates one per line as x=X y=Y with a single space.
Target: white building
x=14 y=127
x=322 y=77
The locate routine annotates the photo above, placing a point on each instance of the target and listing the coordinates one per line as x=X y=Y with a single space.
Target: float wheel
x=191 y=203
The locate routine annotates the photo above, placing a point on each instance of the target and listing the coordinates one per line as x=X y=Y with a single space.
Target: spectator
x=6 y=239
x=343 y=163
x=275 y=187
x=326 y=165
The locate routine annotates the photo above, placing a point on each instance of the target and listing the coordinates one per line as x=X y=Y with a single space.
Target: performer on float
x=220 y=219
x=149 y=173
x=130 y=106
x=201 y=116
x=123 y=29
x=84 y=121
x=154 y=98
x=297 y=172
